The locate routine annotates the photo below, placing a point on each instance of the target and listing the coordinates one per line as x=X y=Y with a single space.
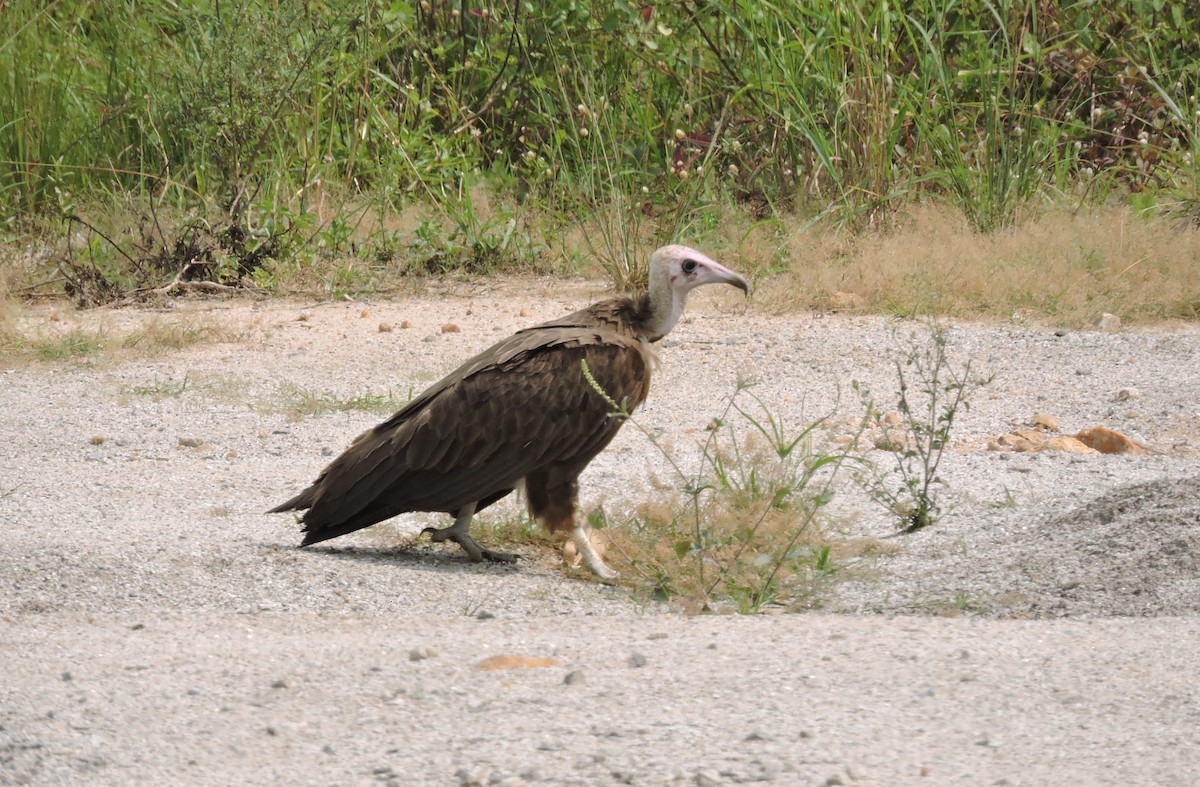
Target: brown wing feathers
x=521 y=406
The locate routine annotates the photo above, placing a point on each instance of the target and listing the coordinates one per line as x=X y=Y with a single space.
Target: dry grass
x=745 y=531
x=1065 y=267
x=58 y=333
x=656 y=550
x=159 y=333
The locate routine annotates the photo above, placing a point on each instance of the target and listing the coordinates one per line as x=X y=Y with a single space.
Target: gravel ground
x=158 y=628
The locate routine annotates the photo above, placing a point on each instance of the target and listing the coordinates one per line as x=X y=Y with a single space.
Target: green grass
x=73 y=344
x=303 y=402
x=245 y=132
x=162 y=389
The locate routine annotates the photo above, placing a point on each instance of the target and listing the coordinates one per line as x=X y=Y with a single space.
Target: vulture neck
x=660 y=308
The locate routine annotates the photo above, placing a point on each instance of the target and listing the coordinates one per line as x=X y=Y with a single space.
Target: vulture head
x=674 y=272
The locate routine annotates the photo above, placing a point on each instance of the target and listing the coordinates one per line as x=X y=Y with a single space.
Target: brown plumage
x=521 y=413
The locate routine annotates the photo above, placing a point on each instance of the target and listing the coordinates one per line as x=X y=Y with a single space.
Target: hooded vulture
x=521 y=414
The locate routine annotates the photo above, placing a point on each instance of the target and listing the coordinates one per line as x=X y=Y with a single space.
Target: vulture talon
x=475 y=553
x=531 y=411
x=459 y=535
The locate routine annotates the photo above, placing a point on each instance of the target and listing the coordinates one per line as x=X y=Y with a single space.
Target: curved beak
x=722 y=275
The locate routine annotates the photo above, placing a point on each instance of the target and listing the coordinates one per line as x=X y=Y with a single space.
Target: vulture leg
x=459 y=534
x=590 y=556
x=551 y=495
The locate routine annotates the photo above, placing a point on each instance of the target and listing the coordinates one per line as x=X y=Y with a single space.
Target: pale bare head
x=674 y=272
x=687 y=269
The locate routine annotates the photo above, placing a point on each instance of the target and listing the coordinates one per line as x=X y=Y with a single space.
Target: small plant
x=931 y=394
x=1008 y=501
x=304 y=402
x=162 y=390
x=965 y=604
x=742 y=529
x=75 y=343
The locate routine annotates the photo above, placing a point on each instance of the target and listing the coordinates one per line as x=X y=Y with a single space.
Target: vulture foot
x=590 y=556
x=474 y=552
x=459 y=535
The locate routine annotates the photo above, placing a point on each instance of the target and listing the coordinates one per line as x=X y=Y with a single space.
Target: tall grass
x=626 y=119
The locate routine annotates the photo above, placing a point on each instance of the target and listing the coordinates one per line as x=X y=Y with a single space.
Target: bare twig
x=111 y=242
x=32 y=287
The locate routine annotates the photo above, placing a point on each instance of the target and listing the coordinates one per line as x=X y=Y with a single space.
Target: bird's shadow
x=420 y=558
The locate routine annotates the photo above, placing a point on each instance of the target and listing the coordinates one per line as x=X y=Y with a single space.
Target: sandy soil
x=158 y=628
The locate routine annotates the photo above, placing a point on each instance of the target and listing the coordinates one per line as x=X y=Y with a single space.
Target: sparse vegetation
x=302 y=402
x=742 y=529
x=931 y=390
x=44 y=334
x=57 y=345
x=177 y=334
x=162 y=389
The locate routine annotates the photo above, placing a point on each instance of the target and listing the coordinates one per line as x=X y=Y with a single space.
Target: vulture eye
x=689 y=266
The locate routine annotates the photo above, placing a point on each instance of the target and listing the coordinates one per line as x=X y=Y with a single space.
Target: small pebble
x=637 y=660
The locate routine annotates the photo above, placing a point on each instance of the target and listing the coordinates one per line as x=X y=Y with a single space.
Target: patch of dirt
x=157 y=627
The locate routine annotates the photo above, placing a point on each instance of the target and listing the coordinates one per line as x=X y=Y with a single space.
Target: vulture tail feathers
x=317 y=531
x=324 y=534
x=298 y=503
